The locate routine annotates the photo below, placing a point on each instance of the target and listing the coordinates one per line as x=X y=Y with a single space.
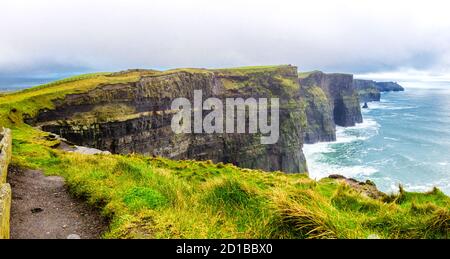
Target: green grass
x=252 y=69
x=303 y=75
x=256 y=76
x=67 y=80
x=30 y=101
x=160 y=198
x=146 y=197
x=317 y=94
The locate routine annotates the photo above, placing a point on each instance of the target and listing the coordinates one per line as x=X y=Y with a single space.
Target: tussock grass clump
x=144 y=197
x=348 y=199
x=440 y=222
x=423 y=209
x=305 y=213
x=229 y=193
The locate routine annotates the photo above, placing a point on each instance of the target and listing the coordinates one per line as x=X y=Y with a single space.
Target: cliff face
x=136 y=117
x=331 y=99
x=389 y=86
x=370 y=91
x=319 y=114
x=367 y=90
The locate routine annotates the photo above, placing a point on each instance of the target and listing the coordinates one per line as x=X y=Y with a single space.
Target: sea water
x=404 y=139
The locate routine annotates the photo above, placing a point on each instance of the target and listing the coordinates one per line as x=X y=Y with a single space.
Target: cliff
x=156 y=197
x=389 y=87
x=135 y=117
x=331 y=99
x=370 y=91
x=130 y=112
x=367 y=90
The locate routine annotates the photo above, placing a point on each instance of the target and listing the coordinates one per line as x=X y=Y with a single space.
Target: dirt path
x=42 y=208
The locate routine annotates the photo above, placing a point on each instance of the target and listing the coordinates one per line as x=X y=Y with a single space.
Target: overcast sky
x=41 y=37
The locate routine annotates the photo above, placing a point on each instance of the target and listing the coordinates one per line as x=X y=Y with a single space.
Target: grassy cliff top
x=30 y=101
x=303 y=75
x=161 y=198
x=253 y=69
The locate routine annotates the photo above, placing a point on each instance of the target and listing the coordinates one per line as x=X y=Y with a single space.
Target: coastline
x=388 y=149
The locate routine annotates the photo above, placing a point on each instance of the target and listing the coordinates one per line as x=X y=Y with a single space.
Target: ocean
x=404 y=139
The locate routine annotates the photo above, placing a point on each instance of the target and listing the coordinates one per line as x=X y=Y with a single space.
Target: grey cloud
x=349 y=36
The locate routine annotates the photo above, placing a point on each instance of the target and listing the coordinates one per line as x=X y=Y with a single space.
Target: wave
x=314 y=153
x=410 y=148
x=368 y=123
x=318 y=170
x=393 y=139
x=411 y=187
x=387 y=106
x=344 y=135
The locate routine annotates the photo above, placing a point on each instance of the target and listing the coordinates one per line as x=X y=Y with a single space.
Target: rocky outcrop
x=136 y=117
x=370 y=91
x=367 y=90
x=330 y=100
x=389 y=87
x=367 y=188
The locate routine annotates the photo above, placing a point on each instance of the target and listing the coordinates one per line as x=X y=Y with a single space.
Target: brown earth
x=42 y=208
x=367 y=188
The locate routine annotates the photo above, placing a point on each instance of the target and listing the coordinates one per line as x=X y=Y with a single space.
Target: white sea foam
x=423 y=187
x=315 y=152
x=376 y=105
x=375 y=149
x=393 y=185
x=318 y=170
x=393 y=139
x=361 y=131
x=386 y=105
x=402 y=108
x=416 y=157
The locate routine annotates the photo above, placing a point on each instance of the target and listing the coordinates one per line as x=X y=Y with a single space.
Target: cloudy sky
x=401 y=38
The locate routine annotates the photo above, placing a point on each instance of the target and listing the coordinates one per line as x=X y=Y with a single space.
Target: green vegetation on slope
x=30 y=101
x=159 y=198
x=306 y=74
x=251 y=69
x=258 y=76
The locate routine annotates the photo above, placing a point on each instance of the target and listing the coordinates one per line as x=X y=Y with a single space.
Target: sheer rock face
x=319 y=114
x=136 y=117
x=331 y=100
